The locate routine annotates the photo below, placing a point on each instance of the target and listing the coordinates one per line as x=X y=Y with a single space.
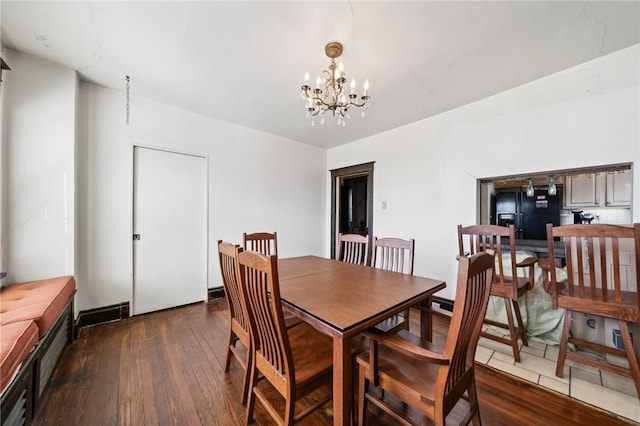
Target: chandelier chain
x=128 y=87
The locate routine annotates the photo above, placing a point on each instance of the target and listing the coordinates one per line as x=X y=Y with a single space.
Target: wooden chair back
x=353 y=248
x=239 y=319
x=393 y=254
x=227 y=256
x=500 y=239
x=603 y=262
x=262 y=242
x=258 y=276
x=602 y=265
x=475 y=277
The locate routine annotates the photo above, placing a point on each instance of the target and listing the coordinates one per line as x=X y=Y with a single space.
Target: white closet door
x=170 y=220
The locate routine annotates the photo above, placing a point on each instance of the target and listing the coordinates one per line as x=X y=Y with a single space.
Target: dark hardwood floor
x=166 y=368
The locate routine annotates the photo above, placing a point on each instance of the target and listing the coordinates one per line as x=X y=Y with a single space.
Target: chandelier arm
x=325 y=104
x=320 y=101
x=315 y=113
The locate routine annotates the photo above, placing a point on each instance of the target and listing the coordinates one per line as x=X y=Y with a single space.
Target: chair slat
x=617 y=289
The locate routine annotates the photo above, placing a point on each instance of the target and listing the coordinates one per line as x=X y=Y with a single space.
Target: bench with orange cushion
x=17 y=340
x=36 y=321
x=41 y=301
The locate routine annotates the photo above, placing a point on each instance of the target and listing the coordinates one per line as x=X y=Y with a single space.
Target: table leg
x=426 y=326
x=341 y=380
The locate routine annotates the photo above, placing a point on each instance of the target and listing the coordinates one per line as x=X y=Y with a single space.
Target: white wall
x=38 y=143
x=427 y=171
x=257 y=182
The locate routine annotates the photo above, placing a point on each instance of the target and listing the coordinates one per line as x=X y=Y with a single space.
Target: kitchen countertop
x=540 y=247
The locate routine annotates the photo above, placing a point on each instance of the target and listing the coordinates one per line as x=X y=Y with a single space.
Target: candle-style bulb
x=306 y=77
x=366 y=87
x=353 y=86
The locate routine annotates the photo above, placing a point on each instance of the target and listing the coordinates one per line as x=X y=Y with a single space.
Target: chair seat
x=595 y=304
x=416 y=381
x=312 y=353
x=506 y=290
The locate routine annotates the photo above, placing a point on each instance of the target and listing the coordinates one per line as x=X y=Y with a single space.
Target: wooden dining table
x=342 y=300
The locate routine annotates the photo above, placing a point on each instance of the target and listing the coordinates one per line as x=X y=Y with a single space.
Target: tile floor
x=610 y=392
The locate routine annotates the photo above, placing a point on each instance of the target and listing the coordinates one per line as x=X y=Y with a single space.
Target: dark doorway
x=351 y=202
x=353 y=206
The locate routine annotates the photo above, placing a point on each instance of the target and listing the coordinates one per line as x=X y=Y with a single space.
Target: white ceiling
x=244 y=62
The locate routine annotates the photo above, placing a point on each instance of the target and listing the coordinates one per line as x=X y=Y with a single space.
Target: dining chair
x=602 y=266
x=427 y=378
x=396 y=255
x=393 y=254
x=267 y=244
x=238 y=321
x=262 y=242
x=294 y=361
x=507 y=284
x=353 y=248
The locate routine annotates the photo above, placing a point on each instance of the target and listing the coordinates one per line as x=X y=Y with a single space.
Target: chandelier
x=330 y=91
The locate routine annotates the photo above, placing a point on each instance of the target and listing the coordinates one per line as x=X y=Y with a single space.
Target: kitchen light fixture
x=530 y=191
x=330 y=91
x=552 y=186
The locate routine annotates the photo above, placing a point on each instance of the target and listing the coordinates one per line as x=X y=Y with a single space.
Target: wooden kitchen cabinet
x=582 y=191
x=604 y=189
x=618 y=188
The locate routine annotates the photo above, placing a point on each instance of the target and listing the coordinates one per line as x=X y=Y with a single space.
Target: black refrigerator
x=529 y=215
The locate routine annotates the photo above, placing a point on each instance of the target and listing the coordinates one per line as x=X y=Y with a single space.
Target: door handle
x=136 y=237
